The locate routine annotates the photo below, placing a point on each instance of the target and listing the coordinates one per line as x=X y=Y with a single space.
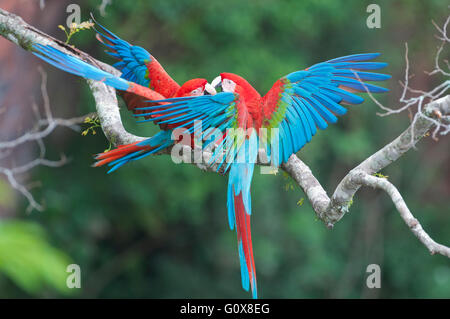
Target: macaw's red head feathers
x=234 y=83
x=194 y=87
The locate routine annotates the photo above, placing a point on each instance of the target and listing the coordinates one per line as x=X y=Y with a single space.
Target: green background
x=155 y=229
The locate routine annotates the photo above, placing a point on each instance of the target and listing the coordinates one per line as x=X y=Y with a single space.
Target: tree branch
x=329 y=210
x=364 y=179
x=44 y=127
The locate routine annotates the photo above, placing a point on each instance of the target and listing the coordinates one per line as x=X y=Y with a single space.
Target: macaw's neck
x=248 y=91
x=252 y=101
x=250 y=96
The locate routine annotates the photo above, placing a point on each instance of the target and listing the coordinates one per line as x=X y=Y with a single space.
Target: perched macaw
x=295 y=107
x=143 y=79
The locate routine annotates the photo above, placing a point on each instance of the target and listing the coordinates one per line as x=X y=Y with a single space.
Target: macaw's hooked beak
x=209 y=89
x=217 y=82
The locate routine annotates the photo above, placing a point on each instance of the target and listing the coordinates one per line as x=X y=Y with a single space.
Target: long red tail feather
x=245 y=237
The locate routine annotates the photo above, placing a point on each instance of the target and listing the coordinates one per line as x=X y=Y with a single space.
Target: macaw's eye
x=197 y=92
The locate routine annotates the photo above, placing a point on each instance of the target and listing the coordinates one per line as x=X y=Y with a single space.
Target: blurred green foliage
x=28 y=259
x=156 y=229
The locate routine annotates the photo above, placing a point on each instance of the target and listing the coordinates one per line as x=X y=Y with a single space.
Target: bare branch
x=384 y=157
x=441 y=125
x=364 y=179
x=36 y=135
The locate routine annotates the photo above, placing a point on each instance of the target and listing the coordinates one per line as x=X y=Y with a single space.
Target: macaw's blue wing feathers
x=133 y=59
x=78 y=67
x=365 y=76
x=214 y=110
x=305 y=100
x=348 y=65
x=137 y=65
x=355 y=57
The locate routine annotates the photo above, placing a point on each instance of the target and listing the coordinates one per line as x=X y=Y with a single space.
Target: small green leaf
x=380 y=175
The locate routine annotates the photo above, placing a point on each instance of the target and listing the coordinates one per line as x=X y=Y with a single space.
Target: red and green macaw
x=293 y=109
x=289 y=114
x=143 y=79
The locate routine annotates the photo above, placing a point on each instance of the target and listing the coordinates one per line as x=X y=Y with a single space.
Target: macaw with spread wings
x=143 y=78
x=290 y=114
